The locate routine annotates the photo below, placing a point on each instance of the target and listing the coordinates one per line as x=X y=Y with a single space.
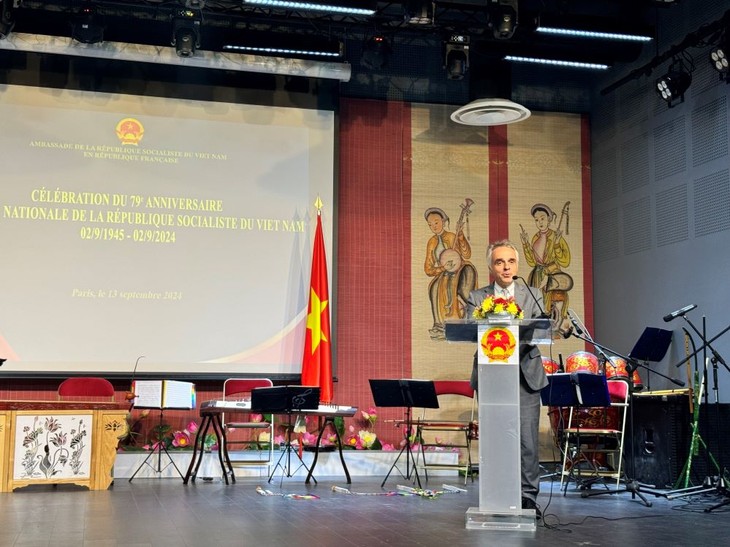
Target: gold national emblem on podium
x=498 y=344
x=130 y=131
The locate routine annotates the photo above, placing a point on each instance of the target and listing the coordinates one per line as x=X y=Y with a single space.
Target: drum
x=550 y=366
x=583 y=361
x=584 y=418
x=616 y=368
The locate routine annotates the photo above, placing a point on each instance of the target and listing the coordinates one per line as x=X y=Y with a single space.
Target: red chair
x=462 y=430
x=84 y=386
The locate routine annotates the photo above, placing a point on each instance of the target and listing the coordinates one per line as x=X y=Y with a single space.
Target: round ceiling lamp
x=486 y=112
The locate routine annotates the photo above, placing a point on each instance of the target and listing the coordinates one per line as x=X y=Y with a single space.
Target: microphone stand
x=709 y=484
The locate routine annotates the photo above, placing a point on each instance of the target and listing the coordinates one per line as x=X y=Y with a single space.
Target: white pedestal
x=500 y=497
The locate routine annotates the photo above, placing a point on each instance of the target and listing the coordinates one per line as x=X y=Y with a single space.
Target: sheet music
x=164 y=394
x=148 y=393
x=178 y=394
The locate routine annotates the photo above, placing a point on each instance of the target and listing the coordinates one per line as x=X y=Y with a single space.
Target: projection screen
x=179 y=231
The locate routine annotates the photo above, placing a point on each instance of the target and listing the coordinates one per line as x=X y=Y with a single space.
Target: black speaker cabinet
x=661 y=435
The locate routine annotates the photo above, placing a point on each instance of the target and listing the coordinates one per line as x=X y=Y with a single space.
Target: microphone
x=130 y=396
x=543 y=315
x=574 y=322
x=679 y=313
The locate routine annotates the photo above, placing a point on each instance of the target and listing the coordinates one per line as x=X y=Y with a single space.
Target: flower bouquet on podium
x=498 y=309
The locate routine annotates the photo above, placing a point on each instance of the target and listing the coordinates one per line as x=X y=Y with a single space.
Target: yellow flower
x=367 y=438
x=492 y=305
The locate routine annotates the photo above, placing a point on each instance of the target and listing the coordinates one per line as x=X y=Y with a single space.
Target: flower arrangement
x=163 y=435
x=365 y=438
x=495 y=305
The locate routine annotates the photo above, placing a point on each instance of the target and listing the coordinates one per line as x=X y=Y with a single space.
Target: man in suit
x=503 y=260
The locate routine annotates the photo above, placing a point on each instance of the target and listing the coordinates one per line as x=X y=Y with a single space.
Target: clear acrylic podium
x=498 y=357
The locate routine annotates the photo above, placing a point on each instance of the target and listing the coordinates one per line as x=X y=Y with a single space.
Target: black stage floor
x=164 y=512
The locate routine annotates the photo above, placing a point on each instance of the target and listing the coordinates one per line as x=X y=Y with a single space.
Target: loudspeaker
x=660 y=441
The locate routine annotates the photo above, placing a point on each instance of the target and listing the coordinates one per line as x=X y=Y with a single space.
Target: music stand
x=405 y=393
x=158 y=449
x=285 y=400
x=651 y=346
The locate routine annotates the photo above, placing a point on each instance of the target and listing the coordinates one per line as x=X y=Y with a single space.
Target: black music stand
x=405 y=393
x=285 y=400
x=651 y=346
x=159 y=448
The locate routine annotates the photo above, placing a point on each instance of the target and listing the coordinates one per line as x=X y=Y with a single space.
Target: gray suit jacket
x=530 y=360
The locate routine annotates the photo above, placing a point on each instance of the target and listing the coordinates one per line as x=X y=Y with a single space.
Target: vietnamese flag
x=317 y=359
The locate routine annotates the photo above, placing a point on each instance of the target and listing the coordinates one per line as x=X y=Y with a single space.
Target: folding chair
x=240 y=389
x=461 y=430
x=594 y=438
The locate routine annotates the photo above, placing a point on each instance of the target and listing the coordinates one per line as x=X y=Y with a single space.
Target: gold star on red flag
x=314 y=320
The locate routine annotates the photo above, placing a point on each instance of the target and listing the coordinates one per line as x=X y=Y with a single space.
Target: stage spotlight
x=503 y=18
x=719 y=61
x=86 y=26
x=375 y=52
x=419 y=12
x=456 y=56
x=6 y=19
x=672 y=86
x=186 y=33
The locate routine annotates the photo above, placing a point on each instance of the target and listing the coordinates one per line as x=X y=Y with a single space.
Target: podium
x=498 y=359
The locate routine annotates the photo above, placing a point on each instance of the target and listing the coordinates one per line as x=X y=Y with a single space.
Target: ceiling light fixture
x=185 y=33
x=456 y=56
x=719 y=60
x=314 y=6
x=287 y=45
x=419 y=12
x=376 y=52
x=673 y=85
x=577 y=33
x=85 y=26
x=286 y=52
x=488 y=112
x=503 y=18
x=6 y=19
x=594 y=28
x=556 y=62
